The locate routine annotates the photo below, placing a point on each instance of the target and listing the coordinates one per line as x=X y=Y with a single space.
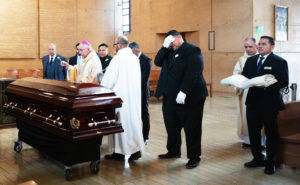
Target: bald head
x=52 y=49
x=122 y=42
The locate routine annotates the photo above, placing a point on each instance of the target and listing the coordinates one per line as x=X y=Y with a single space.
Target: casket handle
x=93 y=123
x=27 y=110
x=107 y=121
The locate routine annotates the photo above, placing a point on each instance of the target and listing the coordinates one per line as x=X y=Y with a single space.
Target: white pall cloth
x=241 y=82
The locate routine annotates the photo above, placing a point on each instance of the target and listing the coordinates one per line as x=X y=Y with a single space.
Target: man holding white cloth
x=264 y=103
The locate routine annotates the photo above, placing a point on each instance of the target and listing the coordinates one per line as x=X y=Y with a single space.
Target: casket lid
x=61 y=87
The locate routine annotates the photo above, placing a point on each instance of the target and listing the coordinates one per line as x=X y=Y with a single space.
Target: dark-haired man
x=76 y=58
x=264 y=103
x=104 y=57
x=145 y=64
x=184 y=91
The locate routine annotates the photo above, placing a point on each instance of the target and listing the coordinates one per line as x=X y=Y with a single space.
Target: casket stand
x=63 y=120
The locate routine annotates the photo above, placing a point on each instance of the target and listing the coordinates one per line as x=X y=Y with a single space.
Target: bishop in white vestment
x=87 y=69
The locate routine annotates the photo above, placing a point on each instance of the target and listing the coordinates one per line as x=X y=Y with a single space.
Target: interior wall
x=18 y=28
x=290 y=49
x=152 y=18
x=28 y=27
x=232 y=21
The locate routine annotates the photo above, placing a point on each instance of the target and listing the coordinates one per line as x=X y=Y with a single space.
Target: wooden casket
x=62 y=119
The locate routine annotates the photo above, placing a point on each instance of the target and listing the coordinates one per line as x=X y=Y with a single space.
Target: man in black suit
x=145 y=64
x=184 y=91
x=264 y=103
x=103 y=55
x=74 y=59
x=51 y=65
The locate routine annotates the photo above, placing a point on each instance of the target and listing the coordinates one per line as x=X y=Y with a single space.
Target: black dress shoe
x=193 y=163
x=135 y=156
x=168 y=156
x=114 y=156
x=270 y=169
x=246 y=145
x=255 y=163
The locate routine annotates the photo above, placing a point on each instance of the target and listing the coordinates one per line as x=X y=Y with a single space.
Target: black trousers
x=256 y=118
x=188 y=117
x=145 y=117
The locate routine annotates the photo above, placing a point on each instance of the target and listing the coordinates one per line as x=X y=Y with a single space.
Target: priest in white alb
x=87 y=69
x=123 y=76
x=250 y=50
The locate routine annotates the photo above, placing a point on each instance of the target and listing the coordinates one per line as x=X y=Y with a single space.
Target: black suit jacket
x=105 y=61
x=269 y=97
x=181 y=71
x=60 y=71
x=73 y=60
x=145 y=64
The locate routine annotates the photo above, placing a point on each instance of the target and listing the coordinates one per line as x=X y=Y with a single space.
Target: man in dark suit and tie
x=74 y=59
x=51 y=65
x=145 y=64
x=105 y=58
x=184 y=91
x=264 y=103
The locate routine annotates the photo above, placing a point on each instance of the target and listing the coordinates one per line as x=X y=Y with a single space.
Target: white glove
x=168 y=41
x=180 y=98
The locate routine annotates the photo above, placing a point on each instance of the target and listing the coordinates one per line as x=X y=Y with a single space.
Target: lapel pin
x=268 y=68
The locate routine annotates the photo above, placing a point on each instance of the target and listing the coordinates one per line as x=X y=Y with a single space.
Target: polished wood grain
x=18 y=20
x=222 y=158
x=289 y=132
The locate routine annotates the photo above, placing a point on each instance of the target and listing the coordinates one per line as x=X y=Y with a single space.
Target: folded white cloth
x=241 y=82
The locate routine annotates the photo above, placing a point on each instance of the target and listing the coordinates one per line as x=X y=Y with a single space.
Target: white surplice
x=242 y=127
x=123 y=76
x=89 y=68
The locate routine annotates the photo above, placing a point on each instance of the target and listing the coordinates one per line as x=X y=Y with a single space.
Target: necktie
x=51 y=60
x=259 y=63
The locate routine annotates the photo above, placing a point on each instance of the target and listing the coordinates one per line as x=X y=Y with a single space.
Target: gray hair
x=123 y=40
x=251 y=38
x=134 y=45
